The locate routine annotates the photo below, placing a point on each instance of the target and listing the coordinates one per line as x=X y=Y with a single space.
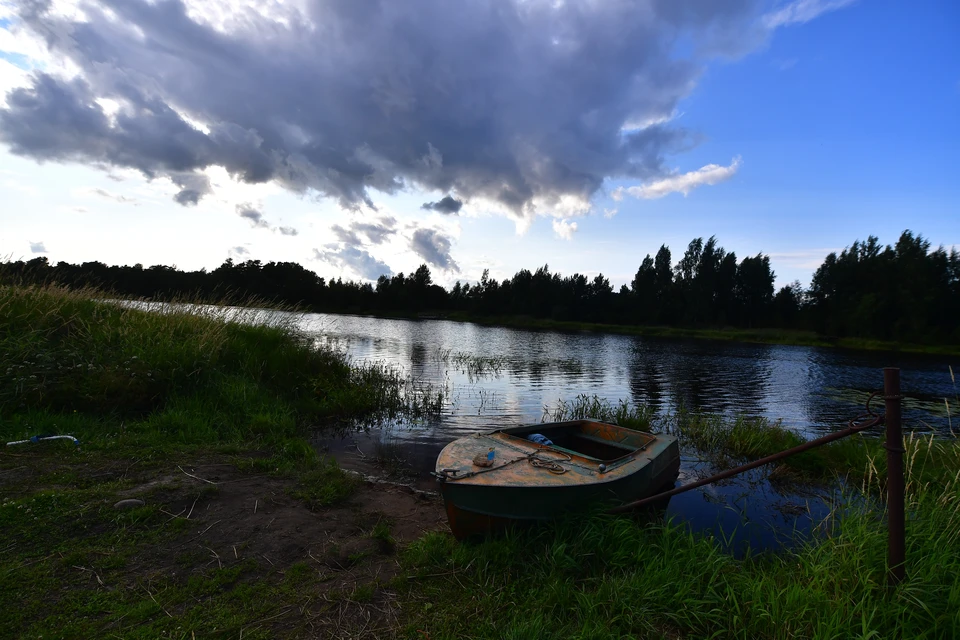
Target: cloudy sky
x=365 y=137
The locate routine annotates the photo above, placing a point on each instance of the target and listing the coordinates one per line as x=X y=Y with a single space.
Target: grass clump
x=610 y=577
x=639 y=417
x=325 y=485
x=728 y=442
x=182 y=373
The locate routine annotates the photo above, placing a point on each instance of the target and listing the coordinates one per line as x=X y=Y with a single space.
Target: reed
x=639 y=417
x=727 y=442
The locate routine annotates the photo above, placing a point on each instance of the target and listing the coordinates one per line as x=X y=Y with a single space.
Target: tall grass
x=609 y=577
x=188 y=373
x=639 y=417
x=727 y=442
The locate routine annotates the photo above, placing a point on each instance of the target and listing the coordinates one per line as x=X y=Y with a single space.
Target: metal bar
x=896 y=548
x=837 y=435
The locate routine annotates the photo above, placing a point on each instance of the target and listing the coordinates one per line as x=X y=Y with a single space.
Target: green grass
x=184 y=374
x=146 y=388
x=729 y=442
x=616 y=577
x=189 y=381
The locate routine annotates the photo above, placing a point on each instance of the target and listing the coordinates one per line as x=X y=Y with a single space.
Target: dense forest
x=904 y=292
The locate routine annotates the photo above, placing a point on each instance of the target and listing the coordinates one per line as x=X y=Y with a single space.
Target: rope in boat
x=549 y=465
x=552 y=466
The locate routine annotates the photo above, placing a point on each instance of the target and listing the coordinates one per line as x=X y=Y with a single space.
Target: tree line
x=903 y=292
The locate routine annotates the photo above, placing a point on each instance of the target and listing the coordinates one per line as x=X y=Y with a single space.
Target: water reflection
x=515 y=374
x=503 y=377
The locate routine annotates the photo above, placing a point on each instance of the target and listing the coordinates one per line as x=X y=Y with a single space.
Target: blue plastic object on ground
x=539 y=438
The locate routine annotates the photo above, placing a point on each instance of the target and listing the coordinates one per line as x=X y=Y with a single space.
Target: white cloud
x=37 y=247
x=106 y=194
x=801 y=11
x=564 y=229
x=682 y=182
x=645 y=122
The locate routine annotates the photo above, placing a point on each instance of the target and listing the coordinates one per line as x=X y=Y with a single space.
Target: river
x=495 y=376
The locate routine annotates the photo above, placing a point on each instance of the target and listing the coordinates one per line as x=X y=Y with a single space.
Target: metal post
x=894 y=446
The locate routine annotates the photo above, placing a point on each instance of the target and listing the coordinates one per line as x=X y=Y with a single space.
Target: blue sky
x=828 y=128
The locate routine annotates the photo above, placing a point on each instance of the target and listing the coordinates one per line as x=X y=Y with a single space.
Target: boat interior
x=593 y=440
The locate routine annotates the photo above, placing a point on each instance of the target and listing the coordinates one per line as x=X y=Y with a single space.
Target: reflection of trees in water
x=674 y=374
x=808 y=387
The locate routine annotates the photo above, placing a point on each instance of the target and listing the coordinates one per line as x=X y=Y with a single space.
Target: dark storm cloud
x=514 y=101
x=447 y=204
x=354 y=258
x=434 y=247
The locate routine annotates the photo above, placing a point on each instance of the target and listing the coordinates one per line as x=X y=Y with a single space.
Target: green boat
x=494 y=479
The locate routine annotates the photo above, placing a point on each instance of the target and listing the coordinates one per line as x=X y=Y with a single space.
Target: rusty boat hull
x=588 y=463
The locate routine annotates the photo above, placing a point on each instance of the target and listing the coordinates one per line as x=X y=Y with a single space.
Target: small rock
x=129 y=503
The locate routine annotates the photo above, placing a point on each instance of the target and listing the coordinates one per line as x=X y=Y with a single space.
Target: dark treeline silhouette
x=905 y=292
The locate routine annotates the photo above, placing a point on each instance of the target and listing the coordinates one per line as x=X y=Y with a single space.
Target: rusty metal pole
x=894 y=445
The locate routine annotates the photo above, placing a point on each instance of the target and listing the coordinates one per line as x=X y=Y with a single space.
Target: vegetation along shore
x=904 y=296
x=196 y=506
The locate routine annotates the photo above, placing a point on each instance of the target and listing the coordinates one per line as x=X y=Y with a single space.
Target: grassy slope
x=149 y=391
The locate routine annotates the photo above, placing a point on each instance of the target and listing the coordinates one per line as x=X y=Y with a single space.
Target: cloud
x=801 y=11
x=609 y=213
x=352 y=254
x=564 y=229
x=37 y=247
x=376 y=232
x=434 y=247
x=116 y=197
x=253 y=215
x=238 y=252
x=379 y=232
x=681 y=183
x=354 y=258
x=447 y=204
x=193 y=186
x=520 y=103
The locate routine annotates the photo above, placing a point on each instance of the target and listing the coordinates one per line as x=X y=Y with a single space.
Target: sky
x=365 y=137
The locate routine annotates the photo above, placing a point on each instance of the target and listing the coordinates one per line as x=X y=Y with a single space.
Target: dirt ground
x=235 y=515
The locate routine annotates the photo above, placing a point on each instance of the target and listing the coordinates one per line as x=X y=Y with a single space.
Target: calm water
x=811 y=390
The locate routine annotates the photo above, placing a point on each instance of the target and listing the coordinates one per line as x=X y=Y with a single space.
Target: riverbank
x=245 y=528
x=194 y=503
